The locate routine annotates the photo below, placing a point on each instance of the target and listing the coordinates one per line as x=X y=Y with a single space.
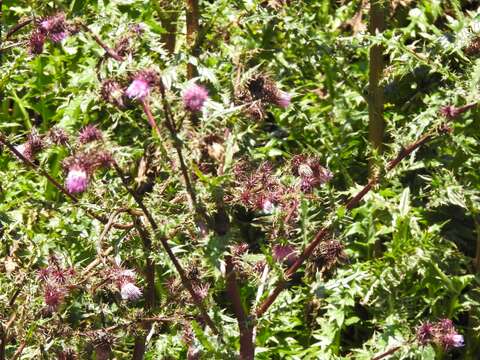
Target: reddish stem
x=110 y=52
x=350 y=204
x=245 y=325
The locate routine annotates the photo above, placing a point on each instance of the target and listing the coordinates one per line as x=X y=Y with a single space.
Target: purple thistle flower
x=451 y=340
x=90 y=133
x=267 y=206
x=55 y=27
x=283 y=100
x=194 y=97
x=77 y=179
x=36 y=42
x=141 y=85
x=130 y=291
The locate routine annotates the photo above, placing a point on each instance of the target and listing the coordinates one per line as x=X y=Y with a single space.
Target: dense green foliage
x=409 y=246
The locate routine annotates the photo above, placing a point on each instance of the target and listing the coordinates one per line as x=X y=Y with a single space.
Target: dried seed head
x=113 y=93
x=58 y=136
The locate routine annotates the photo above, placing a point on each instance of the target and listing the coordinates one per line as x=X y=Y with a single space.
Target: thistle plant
x=195 y=180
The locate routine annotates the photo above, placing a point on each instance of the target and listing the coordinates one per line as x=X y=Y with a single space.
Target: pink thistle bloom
x=36 y=42
x=89 y=133
x=55 y=27
x=141 y=85
x=283 y=100
x=194 y=97
x=138 y=89
x=283 y=253
x=130 y=291
x=77 y=180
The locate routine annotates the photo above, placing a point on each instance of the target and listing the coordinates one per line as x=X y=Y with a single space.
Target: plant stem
x=170 y=123
x=386 y=353
x=17 y=27
x=245 y=325
x=55 y=183
x=185 y=281
x=110 y=52
x=350 y=204
x=168 y=18
x=193 y=21
x=376 y=125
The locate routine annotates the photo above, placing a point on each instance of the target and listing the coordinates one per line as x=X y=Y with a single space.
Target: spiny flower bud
x=89 y=133
x=283 y=99
x=112 y=92
x=36 y=42
x=77 y=180
x=141 y=85
x=194 y=97
x=451 y=112
x=58 y=136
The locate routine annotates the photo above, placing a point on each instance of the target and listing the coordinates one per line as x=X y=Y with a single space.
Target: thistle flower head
x=36 y=42
x=58 y=136
x=77 y=179
x=311 y=173
x=239 y=249
x=113 y=93
x=130 y=291
x=201 y=290
x=141 y=85
x=55 y=27
x=194 y=97
x=53 y=296
x=89 y=133
x=283 y=99
x=32 y=146
x=443 y=333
